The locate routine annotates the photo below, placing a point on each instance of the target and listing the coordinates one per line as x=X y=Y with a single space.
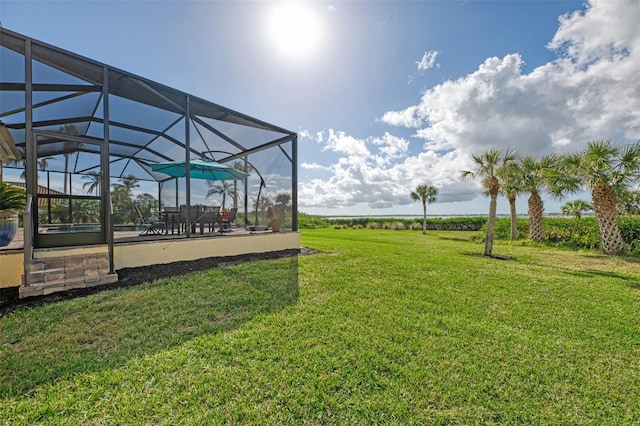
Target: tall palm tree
x=486 y=167
x=67 y=149
x=607 y=170
x=130 y=182
x=575 y=208
x=511 y=186
x=427 y=194
x=93 y=182
x=119 y=192
x=537 y=175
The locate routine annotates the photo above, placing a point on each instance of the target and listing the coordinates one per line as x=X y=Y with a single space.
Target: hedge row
x=575 y=233
x=306 y=221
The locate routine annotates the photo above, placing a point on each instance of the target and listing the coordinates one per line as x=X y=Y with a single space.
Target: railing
x=27 y=223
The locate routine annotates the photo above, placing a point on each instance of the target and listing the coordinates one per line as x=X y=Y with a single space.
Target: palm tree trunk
x=535 y=210
x=491 y=225
x=66 y=171
x=514 y=218
x=604 y=206
x=424 y=219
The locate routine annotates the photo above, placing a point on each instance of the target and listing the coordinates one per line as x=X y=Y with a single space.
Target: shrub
x=307 y=221
x=456 y=223
x=570 y=232
x=630 y=229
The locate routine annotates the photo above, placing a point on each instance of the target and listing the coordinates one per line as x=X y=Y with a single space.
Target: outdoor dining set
x=178 y=219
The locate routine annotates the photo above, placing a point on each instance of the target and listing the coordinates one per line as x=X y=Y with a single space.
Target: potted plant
x=275 y=214
x=12 y=199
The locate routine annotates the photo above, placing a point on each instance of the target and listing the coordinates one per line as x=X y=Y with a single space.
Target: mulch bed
x=127 y=277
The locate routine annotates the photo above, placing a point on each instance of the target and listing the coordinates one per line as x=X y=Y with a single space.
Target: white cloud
x=428 y=60
x=304 y=134
x=315 y=166
x=389 y=148
x=591 y=91
x=605 y=30
x=342 y=143
x=379 y=172
x=406 y=118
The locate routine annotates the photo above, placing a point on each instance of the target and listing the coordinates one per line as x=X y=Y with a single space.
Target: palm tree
x=427 y=194
x=607 y=170
x=42 y=166
x=486 y=167
x=67 y=149
x=576 y=208
x=537 y=175
x=130 y=182
x=93 y=182
x=511 y=185
x=223 y=189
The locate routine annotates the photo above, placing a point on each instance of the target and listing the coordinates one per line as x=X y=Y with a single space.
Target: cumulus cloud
x=342 y=143
x=364 y=173
x=591 y=91
x=379 y=172
x=605 y=30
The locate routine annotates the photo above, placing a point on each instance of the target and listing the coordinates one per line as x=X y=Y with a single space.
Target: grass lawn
x=383 y=326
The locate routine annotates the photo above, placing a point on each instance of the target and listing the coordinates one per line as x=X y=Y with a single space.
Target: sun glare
x=294 y=29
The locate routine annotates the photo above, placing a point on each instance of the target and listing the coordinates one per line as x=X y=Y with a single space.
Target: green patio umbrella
x=201 y=168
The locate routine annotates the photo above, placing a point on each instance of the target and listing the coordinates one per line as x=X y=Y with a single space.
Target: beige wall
x=135 y=254
x=11 y=268
x=158 y=252
x=146 y=253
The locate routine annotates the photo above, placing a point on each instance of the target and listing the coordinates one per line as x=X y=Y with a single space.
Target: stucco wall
x=11 y=268
x=135 y=254
x=158 y=252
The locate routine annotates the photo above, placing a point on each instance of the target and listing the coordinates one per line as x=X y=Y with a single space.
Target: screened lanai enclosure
x=90 y=135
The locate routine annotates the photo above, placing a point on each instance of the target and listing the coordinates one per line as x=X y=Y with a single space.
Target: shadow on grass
x=606 y=274
x=452 y=238
x=493 y=256
x=59 y=340
x=594 y=273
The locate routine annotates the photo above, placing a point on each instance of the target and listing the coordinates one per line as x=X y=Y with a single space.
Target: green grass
x=383 y=326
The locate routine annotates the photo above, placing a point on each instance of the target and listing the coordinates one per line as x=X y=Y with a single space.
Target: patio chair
x=194 y=217
x=171 y=216
x=151 y=225
x=211 y=217
x=225 y=224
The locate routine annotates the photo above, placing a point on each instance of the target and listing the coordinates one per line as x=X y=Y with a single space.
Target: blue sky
x=385 y=95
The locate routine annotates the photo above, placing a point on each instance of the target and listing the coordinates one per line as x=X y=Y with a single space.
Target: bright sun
x=294 y=29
